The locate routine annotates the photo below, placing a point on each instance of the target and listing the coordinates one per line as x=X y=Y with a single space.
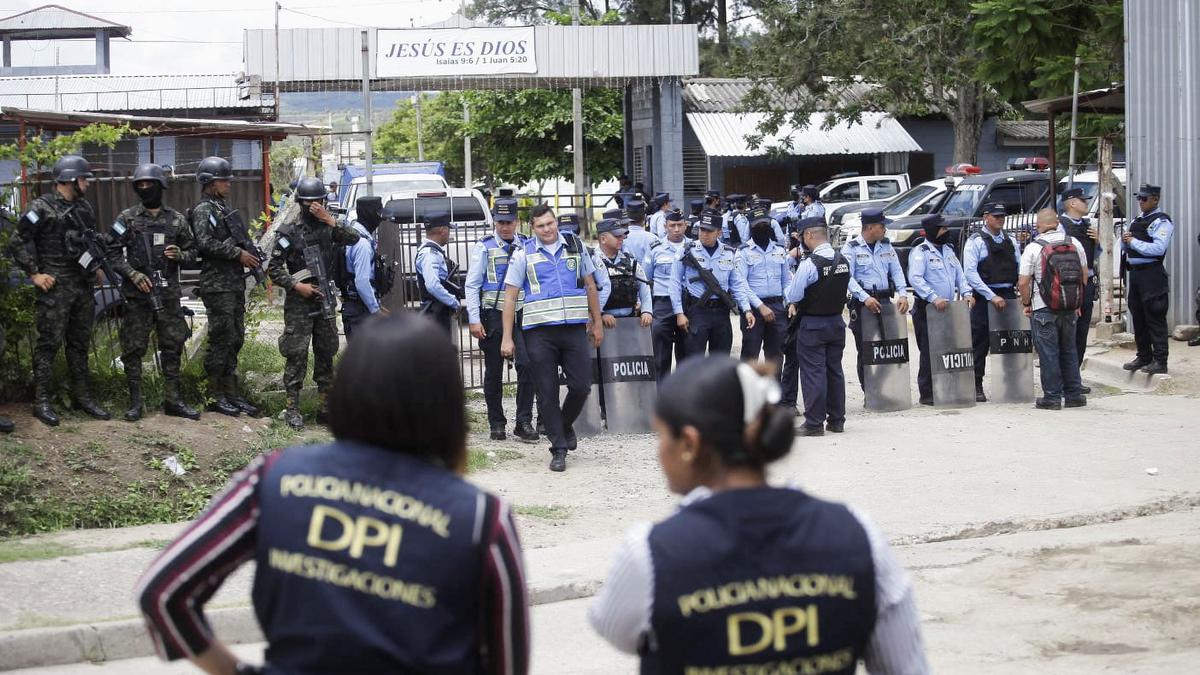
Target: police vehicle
x=917 y=201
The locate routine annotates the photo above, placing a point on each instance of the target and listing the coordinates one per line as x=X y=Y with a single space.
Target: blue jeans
x=1054 y=339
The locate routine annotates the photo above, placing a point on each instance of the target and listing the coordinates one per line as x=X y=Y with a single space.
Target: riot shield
x=951 y=359
x=1010 y=357
x=590 y=421
x=627 y=377
x=886 y=380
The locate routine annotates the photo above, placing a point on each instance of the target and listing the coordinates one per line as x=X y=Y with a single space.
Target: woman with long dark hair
x=372 y=554
x=746 y=577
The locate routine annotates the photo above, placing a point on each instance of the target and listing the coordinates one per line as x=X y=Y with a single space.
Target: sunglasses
x=1142 y=198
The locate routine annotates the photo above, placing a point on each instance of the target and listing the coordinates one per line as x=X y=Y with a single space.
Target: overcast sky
x=198 y=36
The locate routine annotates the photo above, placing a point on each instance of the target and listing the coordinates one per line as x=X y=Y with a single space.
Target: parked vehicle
x=1023 y=192
x=916 y=201
x=399 y=238
x=387 y=179
x=850 y=190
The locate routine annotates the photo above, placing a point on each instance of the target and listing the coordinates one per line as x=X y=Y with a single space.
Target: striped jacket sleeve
x=173 y=591
x=504 y=619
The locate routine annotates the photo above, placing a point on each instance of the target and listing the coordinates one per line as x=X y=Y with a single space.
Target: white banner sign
x=454 y=51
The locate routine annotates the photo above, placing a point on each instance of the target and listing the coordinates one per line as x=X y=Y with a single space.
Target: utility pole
x=1106 y=194
x=368 y=150
x=420 y=136
x=577 y=137
x=467 y=179
x=276 y=78
x=1074 y=121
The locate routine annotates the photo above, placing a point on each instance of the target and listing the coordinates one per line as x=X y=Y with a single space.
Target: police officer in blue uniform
x=733 y=219
x=561 y=315
x=662 y=206
x=795 y=208
x=359 y=283
x=875 y=275
x=813 y=208
x=703 y=309
x=626 y=288
x=372 y=553
x=439 y=294
x=693 y=218
x=484 y=288
x=819 y=289
x=1143 y=247
x=763 y=262
x=1073 y=220
x=666 y=335
x=935 y=275
x=990 y=261
x=700 y=591
x=759 y=209
x=638 y=240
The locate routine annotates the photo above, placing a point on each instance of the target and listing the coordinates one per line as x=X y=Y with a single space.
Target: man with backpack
x=362 y=277
x=1052 y=281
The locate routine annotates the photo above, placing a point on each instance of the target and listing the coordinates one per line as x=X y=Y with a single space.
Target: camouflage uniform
x=167 y=228
x=6 y=425
x=301 y=317
x=223 y=290
x=47 y=242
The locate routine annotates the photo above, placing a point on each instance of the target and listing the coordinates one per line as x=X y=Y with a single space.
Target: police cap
x=1148 y=190
x=736 y=198
x=932 y=222
x=710 y=219
x=697 y=205
x=437 y=219
x=504 y=210
x=611 y=226
x=871 y=216
x=809 y=223
x=635 y=209
x=712 y=193
x=617 y=215
x=810 y=191
x=675 y=217
x=759 y=214
x=1072 y=193
x=995 y=209
x=569 y=222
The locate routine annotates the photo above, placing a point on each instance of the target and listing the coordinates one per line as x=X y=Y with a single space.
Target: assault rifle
x=158 y=281
x=91 y=249
x=315 y=263
x=711 y=286
x=239 y=235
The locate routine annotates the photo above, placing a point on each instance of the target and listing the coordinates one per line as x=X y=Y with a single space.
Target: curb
x=1105 y=368
x=102 y=641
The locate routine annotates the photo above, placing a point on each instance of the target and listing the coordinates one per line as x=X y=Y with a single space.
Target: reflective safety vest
x=496 y=255
x=764 y=580
x=368 y=561
x=554 y=290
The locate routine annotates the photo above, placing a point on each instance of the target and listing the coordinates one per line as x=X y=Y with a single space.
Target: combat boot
x=523 y=431
x=41 y=406
x=136 y=408
x=173 y=405
x=87 y=404
x=236 y=399
x=223 y=406
x=323 y=409
x=6 y=425
x=291 y=414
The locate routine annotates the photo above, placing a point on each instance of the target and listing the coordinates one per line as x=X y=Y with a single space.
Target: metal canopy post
x=368 y=150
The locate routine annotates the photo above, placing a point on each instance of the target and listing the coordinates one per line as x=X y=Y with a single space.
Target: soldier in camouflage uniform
x=302 y=307
x=6 y=425
x=50 y=246
x=150 y=241
x=222 y=286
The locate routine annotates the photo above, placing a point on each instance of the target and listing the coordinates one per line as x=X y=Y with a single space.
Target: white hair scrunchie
x=757 y=391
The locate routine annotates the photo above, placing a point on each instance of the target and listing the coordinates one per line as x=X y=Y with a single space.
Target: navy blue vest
x=767 y=576
x=367 y=563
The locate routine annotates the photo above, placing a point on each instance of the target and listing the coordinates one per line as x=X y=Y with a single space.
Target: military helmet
x=310 y=188
x=150 y=171
x=70 y=167
x=213 y=168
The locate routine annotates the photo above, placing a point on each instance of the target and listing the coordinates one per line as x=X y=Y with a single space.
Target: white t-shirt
x=1031 y=261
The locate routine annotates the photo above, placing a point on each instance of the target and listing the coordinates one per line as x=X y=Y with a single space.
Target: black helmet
x=149 y=171
x=310 y=188
x=213 y=168
x=70 y=167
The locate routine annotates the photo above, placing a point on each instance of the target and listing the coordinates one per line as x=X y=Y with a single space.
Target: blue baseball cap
x=437 y=219
x=504 y=210
x=809 y=223
x=611 y=226
x=569 y=222
x=874 y=215
x=710 y=219
x=995 y=209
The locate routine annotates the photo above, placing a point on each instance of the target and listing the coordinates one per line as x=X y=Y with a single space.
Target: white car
x=387 y=184
x=1089 y=182
x=849 y=188
x=916 y=201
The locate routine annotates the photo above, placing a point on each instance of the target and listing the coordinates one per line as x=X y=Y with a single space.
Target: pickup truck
x=850 y=189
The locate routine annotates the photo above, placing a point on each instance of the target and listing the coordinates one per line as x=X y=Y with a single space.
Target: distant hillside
x=316 y=106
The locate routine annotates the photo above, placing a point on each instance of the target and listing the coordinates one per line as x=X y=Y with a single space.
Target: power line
x=321 y=18
x=241 y=10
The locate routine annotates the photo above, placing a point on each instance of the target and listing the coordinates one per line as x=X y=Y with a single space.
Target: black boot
x=525 y=432
x=6 y=425
x=220 y=403
x=87 y=404
x=323 y=409
x=558 y=459
x=980 y=397
x=136 y=409
x=1156 y=368
x=173 y=405
x=236 y=399
x=1136 y=363
x=43 y=411
x=291 y=415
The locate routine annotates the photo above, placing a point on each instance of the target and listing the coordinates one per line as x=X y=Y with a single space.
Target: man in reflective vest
x=485 y=309
x=560 y=317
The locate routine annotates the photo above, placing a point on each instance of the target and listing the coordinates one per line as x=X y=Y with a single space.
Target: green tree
x=847 y=57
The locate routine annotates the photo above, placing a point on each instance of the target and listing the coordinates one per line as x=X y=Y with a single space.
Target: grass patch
x=478 y=459
x=553 y=512
x=15 y=551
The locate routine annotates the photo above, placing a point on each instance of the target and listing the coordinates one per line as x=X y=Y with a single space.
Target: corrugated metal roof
x=55 y=17
x=565 y=55
x=724 y=135
x=131 y=92
x=168 y=126
x=722 y=95
x=1162 y=130
x=1024 y=130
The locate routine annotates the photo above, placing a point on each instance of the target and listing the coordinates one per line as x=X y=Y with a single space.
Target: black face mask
x=151 y=195
x=761 y=235
x=942 y=238
x=307 y=215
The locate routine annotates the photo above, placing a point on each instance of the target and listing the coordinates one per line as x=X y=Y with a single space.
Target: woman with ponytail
x=746 y=577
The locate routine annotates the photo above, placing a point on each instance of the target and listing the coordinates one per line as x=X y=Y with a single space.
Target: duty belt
x=772 y=300
x=707 y=304
x=1145 y=266
x=879 y=295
